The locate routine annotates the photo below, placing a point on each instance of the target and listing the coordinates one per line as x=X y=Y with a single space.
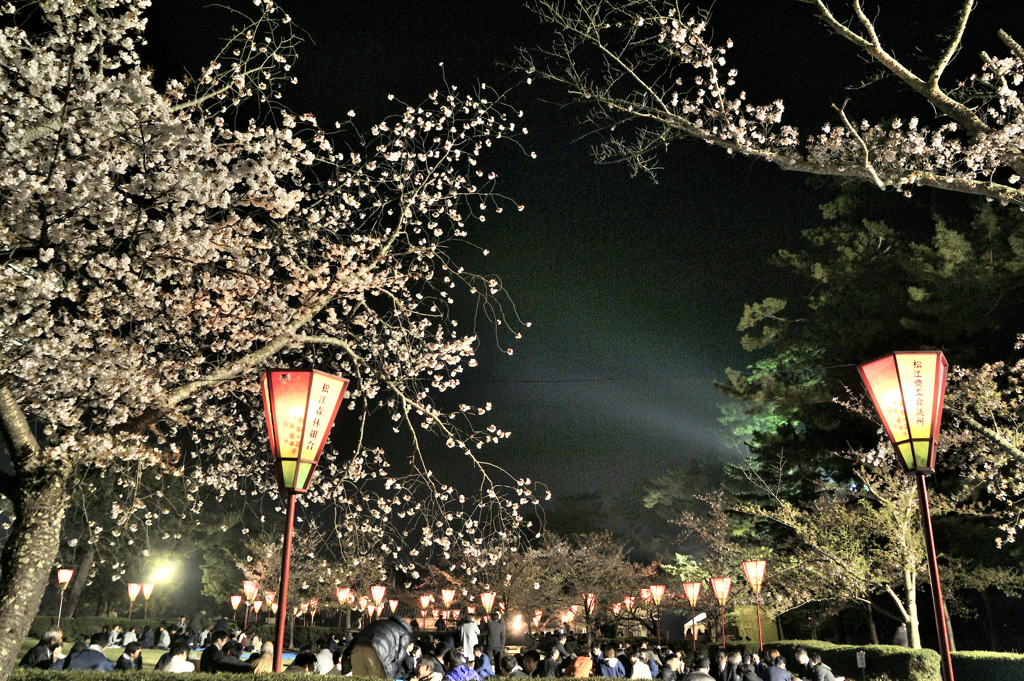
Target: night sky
x=633 y=288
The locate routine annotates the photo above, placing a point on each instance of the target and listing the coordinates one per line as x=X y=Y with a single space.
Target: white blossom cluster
x=155 y=259
x=661 y=79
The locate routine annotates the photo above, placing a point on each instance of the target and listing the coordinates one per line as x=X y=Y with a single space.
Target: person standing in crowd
x=495 y=639
x=195 y=628
x=470 y=633
x=43 y=654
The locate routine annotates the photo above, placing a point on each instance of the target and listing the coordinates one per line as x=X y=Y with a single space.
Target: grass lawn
x=149 y=655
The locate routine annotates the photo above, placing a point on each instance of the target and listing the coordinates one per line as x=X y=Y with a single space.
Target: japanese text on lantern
x=317 y=409
x=919 y=415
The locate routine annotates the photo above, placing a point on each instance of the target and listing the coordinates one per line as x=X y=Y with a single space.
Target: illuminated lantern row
x=907 y=389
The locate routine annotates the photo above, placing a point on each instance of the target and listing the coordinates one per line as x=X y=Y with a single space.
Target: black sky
x=633 y=288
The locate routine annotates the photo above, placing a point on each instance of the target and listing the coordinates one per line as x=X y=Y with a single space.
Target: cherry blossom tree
x=156 y=256
x=650 y=75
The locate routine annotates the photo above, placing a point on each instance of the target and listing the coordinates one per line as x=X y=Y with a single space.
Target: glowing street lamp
x=720 y=586
x=377 y=593
x=657 y=591
x=314 y=604
x=628 y=601
x=344 y=596
x=147 y=591
x=487 y=601
x=236 y=601
x=363 y=601
x=300 y=407
x=256 y=606
x=393 y=604
x=907 y=389
x=425 y=601
x=616 y=608
x=63 y=579
x=447 y=596
x=470 y=609
x=645 y=594
x=273 y=608
x=251 y=589
x=753 y=570
x=133 y=593
x=269 y=596
x=691 y=590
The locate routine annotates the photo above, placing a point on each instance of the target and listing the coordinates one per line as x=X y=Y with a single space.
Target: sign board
x=862 y=662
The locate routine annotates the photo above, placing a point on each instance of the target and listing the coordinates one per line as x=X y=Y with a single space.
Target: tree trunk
x=993 y=643
x=872 y=630
x=81 y=577
x=36 y=490
x=27 y=560
x=914 y=625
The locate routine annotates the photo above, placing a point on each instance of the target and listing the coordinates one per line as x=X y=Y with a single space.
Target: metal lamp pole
x=908 y=389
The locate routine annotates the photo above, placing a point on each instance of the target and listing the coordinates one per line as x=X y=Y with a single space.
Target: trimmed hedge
x=81 y=628
x=896 y=662
x=981 y=665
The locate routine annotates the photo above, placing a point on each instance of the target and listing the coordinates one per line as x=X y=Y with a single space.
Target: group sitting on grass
x=385 y=649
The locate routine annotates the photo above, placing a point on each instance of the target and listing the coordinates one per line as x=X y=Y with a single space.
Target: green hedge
x=81 y=628
x=896 y=662
x=978 y=665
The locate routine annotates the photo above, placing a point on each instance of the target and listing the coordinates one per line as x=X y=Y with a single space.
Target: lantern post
x=147 y=591
x=907 y=390
x=250 y=589
x=753 y=570
x=720 y=586
x=300 y=407
x=657 y=592
x=691 y=590
x=63 y=579
x=344 y=595
x=236 y=601
x=133 y=593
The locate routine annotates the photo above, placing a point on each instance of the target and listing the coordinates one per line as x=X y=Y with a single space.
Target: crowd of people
x=387 y=649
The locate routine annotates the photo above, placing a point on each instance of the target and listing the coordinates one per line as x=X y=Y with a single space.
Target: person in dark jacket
x=41 y=655
x=745 y=672
x=510 y=668
x=670 y=671
x=232 y=659
x=148 y=637
x=378 y=649
x=802 y=668
x=777 y=671
x=495 y=644
x=701 y=667
x=550 y=666
x=92 y=658
x=819 y=670
x=481 y=662
x=195 y=627
x=213 y=653
x=131 y=660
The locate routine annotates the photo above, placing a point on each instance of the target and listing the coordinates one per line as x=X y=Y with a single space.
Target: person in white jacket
x=641 y=670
